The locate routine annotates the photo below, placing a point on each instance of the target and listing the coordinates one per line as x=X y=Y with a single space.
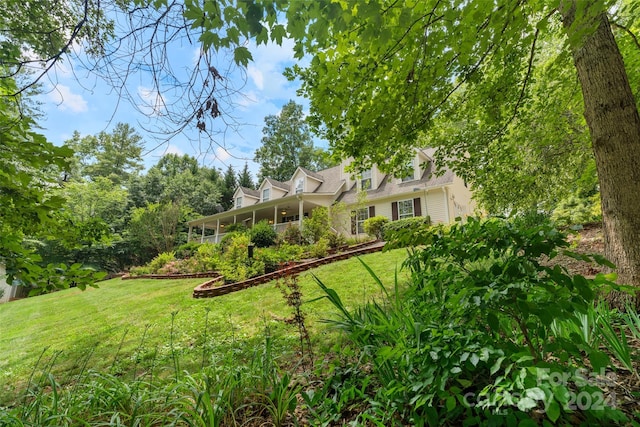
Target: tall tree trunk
x=614 y=124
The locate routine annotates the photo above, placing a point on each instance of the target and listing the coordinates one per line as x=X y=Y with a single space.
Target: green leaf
x=599 y=360
x=603 y=261
x=496 y=365
x=278 y=33
x=450 y=403
x=553 y=410
x=493 y=322
x=474 y=359
x=242 y=56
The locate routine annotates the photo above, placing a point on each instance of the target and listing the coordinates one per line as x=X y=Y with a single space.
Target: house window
x=405 y=209
x=265 y=194
x=361 y=216
x=299 y=185
x=238 y=202
x=410 y=176
x=365 y=180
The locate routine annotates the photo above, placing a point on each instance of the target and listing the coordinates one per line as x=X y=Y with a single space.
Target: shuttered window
x=358 y=218
x=406 y=209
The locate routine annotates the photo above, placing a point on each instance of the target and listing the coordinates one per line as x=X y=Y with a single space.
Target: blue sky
x=73 y=99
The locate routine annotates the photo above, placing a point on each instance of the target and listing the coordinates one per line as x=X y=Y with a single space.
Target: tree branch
x=51 y=61
x=628 y=31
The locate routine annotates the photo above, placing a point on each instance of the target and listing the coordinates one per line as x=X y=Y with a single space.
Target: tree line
x=89 y=203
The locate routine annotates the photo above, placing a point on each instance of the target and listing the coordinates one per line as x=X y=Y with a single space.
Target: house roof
x=331 y=180
x=312 y=174
x=278 y=184
x=250 y=192
x=390 y=186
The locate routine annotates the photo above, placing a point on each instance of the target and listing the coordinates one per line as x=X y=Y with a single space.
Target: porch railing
x=280 y=228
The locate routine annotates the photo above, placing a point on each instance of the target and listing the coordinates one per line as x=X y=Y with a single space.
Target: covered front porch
x=280 y=213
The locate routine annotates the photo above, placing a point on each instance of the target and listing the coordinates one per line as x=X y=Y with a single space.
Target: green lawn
x=125 y=326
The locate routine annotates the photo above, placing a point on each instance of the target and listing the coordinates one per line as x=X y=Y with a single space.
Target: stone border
x=173 y=276
x=210 y=290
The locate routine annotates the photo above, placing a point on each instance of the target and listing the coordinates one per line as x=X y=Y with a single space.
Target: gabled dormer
x=368 y=179
x=305 y=181
x=271 y=189
x=413 y=168
x=244 y=196
x=417 y=166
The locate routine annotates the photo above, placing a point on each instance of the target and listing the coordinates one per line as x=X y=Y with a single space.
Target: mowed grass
x=129 y=327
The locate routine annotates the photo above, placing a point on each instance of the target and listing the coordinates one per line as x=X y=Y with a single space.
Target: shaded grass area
x=126 y=327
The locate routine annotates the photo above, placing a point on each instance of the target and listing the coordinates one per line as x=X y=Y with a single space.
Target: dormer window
x=410 y=176
x=299 y=185
x=266 y=194
x=238 y=202
x=365 y=180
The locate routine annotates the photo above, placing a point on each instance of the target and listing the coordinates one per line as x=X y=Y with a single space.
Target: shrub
x=576 y=210
x=335 y=240
x=236 y=265
x=406 y=231
x=160 y=261
x=243 y=270
x=263 y=235
x=374 y=226
x=173 y=267
x=290 y=252
x=228 y=238
x=237 y=227
x=139 y=270
x=292 y=235
x=269 y=257
x=207 y=257
x=317 y=226
x=474 y=337
x=319 y=249
x=187 y=250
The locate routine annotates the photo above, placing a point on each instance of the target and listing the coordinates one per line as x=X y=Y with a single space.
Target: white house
x=421 y=193
x=8 y=292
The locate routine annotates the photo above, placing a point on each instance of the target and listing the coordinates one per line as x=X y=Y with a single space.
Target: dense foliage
x=475 y=338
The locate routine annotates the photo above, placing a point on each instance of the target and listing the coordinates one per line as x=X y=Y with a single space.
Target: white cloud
x=269 y=61
x=173 y=149
x=256 y=75
x=153 y=102
x=67 y=100
x=222 y=154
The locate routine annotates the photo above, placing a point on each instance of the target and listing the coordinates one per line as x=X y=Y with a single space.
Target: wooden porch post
x=300 y=212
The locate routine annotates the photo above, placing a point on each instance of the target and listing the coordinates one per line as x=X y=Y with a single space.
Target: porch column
x=300 y=212
x=217 y=240
x=275 y=216
x=234 y=219
x=202 y=234
x=189 y=234
x=253 y=221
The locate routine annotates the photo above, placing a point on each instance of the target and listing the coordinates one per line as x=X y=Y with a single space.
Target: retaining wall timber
x=210 y=290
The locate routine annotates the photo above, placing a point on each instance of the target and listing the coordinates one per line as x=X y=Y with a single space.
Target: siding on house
x=436 y=207
x=8 y=290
